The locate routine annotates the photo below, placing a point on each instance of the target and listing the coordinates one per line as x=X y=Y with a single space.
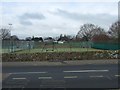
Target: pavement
x=72 y=74
x=61 y=63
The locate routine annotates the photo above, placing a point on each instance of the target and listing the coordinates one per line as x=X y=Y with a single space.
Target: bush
x=56 y=56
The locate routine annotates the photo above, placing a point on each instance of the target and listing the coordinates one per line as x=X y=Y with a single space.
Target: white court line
x=96 y=76
x=71 y=77
x=44 y=77
x=77 y=71
x=18 y=78
x=27 y=72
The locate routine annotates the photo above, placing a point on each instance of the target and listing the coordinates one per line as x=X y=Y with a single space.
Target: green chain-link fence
x=15 y=45
x=12 y=46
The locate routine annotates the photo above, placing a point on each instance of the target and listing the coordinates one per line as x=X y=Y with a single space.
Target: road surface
x=75 y=76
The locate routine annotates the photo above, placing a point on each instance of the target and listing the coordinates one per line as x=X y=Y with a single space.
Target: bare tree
x=114 y=30
x=87 y=31
x=4 y=33
x=101 y=38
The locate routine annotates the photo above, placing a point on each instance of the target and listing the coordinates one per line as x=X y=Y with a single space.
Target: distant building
x=49 y=39
x=60 y=42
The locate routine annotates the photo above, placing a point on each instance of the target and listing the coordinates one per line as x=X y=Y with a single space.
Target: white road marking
x=71 y=77
x=18 y=78
x=117 y=75
x=96 y=76
x=44 y=77
x=77 y=71
x=27 y=72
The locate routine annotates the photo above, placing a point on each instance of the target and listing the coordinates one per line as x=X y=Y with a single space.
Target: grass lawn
x=39 y=50
x=7 y=50
x=4 y=50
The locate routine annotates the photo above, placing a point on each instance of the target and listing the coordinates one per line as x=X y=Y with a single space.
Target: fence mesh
x=12 y=46
x=9 y=46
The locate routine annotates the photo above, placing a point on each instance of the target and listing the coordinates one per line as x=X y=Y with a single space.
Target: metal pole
x=10 y=28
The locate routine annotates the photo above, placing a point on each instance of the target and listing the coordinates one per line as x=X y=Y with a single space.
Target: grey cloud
x=96 y=18
x=26 y=18
x=25 y=22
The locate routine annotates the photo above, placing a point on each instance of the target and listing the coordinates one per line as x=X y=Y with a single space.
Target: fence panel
x=15 y=45
x=106 y=46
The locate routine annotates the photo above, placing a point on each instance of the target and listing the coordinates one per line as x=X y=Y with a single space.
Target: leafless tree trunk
x=4 y=33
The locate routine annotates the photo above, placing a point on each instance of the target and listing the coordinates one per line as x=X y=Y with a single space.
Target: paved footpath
x=61 y=63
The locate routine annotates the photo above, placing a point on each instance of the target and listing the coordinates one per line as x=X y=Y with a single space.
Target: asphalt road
x=76 y=76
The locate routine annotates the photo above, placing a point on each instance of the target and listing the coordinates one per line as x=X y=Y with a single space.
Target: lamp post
x=11 y=46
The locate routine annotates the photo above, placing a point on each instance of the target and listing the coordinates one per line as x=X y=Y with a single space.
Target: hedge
x=52 y=56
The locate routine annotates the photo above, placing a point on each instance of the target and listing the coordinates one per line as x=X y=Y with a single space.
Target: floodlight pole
x=10 y=28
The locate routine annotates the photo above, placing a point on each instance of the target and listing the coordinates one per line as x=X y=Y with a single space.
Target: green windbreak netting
x=106 y=46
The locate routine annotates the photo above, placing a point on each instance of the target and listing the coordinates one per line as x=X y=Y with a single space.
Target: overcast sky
x=55 y=18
